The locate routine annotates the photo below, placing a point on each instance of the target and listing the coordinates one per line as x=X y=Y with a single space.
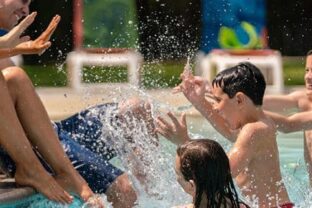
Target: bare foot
x=73 y=182
x=43 y=183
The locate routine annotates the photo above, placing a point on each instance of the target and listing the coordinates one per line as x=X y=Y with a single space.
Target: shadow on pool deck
x=63 y=102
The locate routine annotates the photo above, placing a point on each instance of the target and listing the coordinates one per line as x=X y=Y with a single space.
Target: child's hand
x=13 y=38
x=42 y=43
x=175 y=131
x=187 y=73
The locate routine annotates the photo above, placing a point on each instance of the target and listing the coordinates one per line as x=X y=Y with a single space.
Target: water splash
x=149 y=166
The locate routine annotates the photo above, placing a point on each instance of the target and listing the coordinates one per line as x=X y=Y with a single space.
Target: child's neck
x=252 y=114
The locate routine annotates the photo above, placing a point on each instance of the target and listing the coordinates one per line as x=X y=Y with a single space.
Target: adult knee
x=17 y=80
x=16 y=76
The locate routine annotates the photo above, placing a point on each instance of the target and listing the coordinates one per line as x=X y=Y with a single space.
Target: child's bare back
x=262 y=172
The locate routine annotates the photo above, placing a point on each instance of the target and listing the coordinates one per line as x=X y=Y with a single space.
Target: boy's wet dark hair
x=205 y=162
x=244 y=77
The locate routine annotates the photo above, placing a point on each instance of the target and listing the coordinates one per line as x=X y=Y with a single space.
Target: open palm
x=39 y=45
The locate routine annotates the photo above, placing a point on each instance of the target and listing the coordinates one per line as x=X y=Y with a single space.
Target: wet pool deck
x=63 y=102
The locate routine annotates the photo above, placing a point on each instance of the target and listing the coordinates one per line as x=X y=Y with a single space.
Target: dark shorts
x=87 y=146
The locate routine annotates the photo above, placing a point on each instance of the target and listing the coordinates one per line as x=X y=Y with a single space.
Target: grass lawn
x=154 y=75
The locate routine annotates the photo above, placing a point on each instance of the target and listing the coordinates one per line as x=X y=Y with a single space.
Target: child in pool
x=203 y=171
x=236 y=113
x=301 y=100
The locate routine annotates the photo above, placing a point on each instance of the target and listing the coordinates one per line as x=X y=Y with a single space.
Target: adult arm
x=13 y=37
x=37 y=46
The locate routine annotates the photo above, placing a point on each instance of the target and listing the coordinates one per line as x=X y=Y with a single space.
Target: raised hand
x=194 y=89
x=175 y=131
x=187 y=73
x=39 y=45
x=14 y=38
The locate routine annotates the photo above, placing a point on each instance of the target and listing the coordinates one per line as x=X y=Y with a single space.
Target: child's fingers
x=183 y=119
x=177 y=89
x=44 y=47
x=45 y=36
x=21 y=27
x=163 y=133
x=163 y=123
x=174 y=119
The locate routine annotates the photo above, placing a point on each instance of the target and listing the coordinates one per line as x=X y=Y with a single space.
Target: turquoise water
x=39 y=201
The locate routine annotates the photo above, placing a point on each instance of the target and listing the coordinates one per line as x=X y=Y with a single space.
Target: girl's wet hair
x=244 y=77
x=205 y=162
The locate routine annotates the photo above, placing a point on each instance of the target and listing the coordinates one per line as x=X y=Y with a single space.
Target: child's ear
x=192 y=186
x=240 y=98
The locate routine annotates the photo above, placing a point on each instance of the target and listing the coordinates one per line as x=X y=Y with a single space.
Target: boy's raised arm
x=193 y=89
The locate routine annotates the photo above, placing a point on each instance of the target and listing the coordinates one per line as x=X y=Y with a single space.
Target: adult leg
x=29 y=171
x=37 y=126
x=86 y=128
x=102 y=176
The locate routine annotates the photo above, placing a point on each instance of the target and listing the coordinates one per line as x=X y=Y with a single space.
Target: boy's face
x=308 y=75
x=226 y=107
x=11 y=11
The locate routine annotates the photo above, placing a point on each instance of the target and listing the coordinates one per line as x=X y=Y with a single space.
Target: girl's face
x=226 y=107
x=188 y=186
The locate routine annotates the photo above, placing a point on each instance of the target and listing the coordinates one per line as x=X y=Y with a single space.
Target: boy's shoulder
x=258 y=129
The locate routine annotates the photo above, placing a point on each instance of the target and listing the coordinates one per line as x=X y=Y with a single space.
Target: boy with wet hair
x=236 y=113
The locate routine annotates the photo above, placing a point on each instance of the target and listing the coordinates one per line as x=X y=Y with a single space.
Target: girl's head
x=203 y=170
